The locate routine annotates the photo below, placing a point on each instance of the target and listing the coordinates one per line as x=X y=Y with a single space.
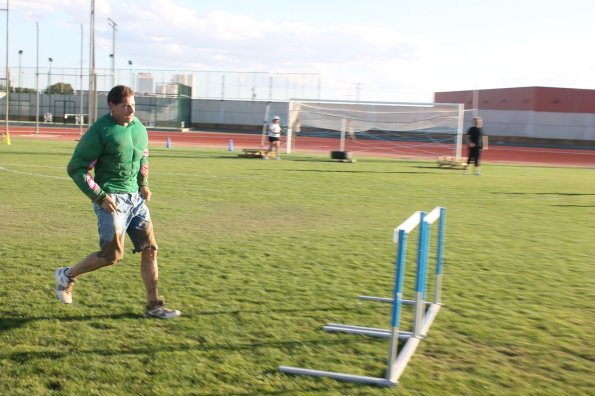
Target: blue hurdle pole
x=439 y=255
x=420 y=277
x=426 y=251
x=397 y=301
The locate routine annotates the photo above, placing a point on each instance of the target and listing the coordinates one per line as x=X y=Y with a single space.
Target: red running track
x=370 y=148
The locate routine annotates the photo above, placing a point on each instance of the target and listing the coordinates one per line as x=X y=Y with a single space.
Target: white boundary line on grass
x=33 y=174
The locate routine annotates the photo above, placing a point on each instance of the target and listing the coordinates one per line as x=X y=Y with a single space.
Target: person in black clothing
x=474 y=139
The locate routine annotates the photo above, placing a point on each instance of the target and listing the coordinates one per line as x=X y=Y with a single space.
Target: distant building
x=530 y=112
x=166 y=89
x=186 y=79
x=144 y=83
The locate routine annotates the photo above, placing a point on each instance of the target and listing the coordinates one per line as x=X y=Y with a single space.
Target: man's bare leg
x=150 y=274
x=65 y=276
x=90 y=263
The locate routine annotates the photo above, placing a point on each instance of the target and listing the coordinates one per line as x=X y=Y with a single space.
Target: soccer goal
x=394 y=129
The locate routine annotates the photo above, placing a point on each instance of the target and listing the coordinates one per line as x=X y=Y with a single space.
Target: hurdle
x=424 y=311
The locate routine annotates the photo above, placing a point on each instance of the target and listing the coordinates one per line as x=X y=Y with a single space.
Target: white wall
x=250 y=114
x=532 y=124
x=235 y=112
x=508 y=123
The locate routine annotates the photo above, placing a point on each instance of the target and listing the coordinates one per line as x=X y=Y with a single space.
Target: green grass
x=260 y=254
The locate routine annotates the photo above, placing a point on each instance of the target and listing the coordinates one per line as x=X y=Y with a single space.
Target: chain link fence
x=163 y=97
x=205 y=84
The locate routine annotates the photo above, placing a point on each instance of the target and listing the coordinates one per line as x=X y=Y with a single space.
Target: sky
x=390 y=50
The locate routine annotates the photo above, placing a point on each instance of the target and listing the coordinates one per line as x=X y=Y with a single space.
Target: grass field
x=260 y=254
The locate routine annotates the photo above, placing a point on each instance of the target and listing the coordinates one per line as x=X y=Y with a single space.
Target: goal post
x=265 y=124
x=4 y=97
x=420 y=129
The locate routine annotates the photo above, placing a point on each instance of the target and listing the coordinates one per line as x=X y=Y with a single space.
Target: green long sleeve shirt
x=117 y=154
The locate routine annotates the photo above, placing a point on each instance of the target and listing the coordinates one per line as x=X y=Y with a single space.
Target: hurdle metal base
x=388 y=300
x=370 y=331
x=395 y=368
x=402 y=359
x=429 y=317
x=338 y=376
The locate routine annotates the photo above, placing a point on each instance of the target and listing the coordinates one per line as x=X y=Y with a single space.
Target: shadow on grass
x=178 y=156
x=26 y=356
x=199 y=345
x=244 y=311
x=436 y=167
x=564 y=194
x=343 y=171
x=302 y=390
x=575 y=206
x=8 y=323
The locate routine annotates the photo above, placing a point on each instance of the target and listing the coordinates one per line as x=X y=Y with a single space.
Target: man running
x=116 y=147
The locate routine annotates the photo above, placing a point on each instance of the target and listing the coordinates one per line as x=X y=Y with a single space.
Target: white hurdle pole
x=265 y=124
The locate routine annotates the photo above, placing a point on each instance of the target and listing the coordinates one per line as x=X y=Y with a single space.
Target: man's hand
x=145 y=193
x=109 y=205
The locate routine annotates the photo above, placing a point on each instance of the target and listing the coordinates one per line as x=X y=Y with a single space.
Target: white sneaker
x=159 y=311
x=64 y=284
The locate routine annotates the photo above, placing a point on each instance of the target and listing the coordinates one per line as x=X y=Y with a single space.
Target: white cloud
x=391 y=62
x=164 y=34
x=74 y=12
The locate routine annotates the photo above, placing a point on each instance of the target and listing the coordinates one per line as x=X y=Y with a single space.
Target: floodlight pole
x=92 y=102
x=114 y=27
x=19 y=86
x=37 y=83
x=131 y=75
x=51 y=60
x=20 y=56
x=7 y=78
x=81 y=116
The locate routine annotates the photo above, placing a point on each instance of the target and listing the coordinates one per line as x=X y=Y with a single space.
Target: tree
x=60 y=88
x=24 y=90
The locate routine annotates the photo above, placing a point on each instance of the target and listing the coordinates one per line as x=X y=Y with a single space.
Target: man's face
x=123 y=111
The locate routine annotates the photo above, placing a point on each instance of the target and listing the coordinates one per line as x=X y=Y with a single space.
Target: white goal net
x=394 y=129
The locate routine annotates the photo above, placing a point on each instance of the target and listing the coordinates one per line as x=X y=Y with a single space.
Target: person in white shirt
x=274 y=135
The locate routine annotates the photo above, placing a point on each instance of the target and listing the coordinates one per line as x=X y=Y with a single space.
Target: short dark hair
x=118 y=93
